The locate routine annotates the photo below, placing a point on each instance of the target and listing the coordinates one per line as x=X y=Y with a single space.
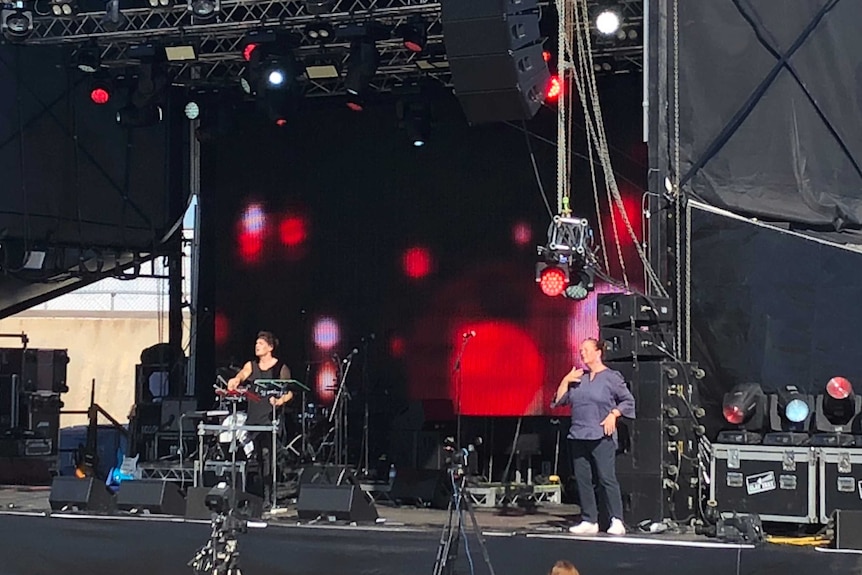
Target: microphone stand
x=338 y=414
x=365 y=419
x=459 y=380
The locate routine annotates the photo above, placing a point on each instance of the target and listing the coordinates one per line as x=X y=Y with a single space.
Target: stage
x=36 y=542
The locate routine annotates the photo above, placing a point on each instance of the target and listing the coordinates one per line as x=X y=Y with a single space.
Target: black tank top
x=259 y=410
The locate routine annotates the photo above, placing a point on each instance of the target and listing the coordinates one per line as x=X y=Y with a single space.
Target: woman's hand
x=609 y=424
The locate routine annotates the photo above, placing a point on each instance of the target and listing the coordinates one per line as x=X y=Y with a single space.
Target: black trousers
x=597 y=455
x=260 y=482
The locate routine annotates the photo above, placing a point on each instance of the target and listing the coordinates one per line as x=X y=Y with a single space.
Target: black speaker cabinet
x=428 y=487
x=153 y=495
x=848 y=529
x=495 y=53
x=248 y=506
x=343 y=502
x=73 y=494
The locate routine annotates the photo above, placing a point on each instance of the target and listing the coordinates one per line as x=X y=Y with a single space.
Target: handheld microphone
x=469 y=334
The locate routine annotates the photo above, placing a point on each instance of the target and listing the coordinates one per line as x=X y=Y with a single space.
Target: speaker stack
x=495 y=50
x=657 y=466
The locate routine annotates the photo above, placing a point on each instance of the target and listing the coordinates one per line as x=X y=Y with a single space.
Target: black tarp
x=768 y=136
x=69 y=175
x=772 y=308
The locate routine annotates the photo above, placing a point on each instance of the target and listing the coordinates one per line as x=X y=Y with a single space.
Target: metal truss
x=218 y=44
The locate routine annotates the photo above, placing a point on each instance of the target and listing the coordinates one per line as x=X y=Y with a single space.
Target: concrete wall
x=105 y=346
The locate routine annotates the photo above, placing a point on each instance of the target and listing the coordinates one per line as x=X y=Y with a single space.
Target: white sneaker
x=585 y=528
x=617 y=527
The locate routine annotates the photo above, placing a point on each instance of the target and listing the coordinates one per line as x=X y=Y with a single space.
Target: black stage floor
x=34 y=543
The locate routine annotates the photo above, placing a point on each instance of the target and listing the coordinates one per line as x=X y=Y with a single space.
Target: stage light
x=16 y=21
x=319 y=31
x=159 y=3
x=361 y=67
x=554 y=90
x=317 y=7
x=275 y=77
x=789 y=417
x=552 y=279
x=144 y=116
x=204 y=10
x=99 y=95
x=608 y=22
x=837 y=411
x=88 y=59
x=100 y=89
x=569 y=252
x=743 y=409
x=113 y=18
x=63 y=8
x=414 y=34
x=192 y=110
x=414 y=115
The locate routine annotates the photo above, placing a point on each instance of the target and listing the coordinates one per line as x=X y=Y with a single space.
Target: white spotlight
x=608 y=22
x=192 y=110
x=276 y=78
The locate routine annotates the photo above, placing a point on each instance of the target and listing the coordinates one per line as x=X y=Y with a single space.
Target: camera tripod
x=220 y=554
x=453 y=530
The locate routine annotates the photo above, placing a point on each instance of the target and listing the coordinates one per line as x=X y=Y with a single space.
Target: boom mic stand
x=338 y=416
x=465 y=339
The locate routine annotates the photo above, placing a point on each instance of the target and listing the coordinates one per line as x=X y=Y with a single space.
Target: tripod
x=453 y=530
x=220 y=554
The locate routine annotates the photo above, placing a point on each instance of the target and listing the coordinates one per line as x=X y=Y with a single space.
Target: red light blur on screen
x=326 y=383
x=252 y=230
x=502 y=370
x=522 y=235
x=555 y=88
x=839 y=388
x=292 y=231
x=222 y=329
x=552 y=281
x=250 y=247
x=733 y=414
x=99 y=96
x=397 y=346
x=326 y=333
x=416 y=262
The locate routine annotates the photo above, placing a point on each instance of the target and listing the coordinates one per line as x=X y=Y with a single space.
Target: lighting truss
x=218 y=44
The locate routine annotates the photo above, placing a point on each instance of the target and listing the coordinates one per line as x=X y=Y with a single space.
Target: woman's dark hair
x=268 y=337
x=599 y=344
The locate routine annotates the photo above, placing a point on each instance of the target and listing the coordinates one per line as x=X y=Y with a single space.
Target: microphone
x=469 y=334
x=350 y=355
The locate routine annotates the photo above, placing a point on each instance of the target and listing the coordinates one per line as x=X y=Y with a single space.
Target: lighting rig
x=215 y=29
x=566 y=265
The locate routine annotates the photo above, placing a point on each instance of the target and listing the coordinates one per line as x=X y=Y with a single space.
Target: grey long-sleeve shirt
x=593 y=399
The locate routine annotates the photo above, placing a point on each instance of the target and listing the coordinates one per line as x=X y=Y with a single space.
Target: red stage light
x=281 y=122
x=546 y=55
x=355 y=106
x=327 y=383
x=99 y=96
x=413 y=46
x=416 y=262
x=292 y=231
x=553 y=281
x=555 y=88
x=734 y=414
x=248 y=51
x=839 y=388
x=250 y=247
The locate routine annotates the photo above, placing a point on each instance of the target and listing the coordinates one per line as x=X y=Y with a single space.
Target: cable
x=536 y=170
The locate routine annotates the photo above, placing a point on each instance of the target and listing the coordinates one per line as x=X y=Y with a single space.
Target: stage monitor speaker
x=327 y=475
x=73 y=494
x=428 y=487
x=248 y=506
x=343 y=502
x=494 y=50
x=152 y=495
x=848 y=529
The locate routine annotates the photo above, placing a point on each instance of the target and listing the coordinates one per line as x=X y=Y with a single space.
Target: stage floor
x=36 y=542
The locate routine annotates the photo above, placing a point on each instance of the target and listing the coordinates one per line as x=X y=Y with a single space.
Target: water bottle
x=392 y=474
